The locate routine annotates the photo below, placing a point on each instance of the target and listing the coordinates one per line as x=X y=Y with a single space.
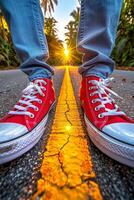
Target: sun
x=66 y=51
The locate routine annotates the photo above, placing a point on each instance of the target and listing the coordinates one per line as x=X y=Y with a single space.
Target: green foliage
x=54 y=44
x=123 y=52
x=71 y=37
x=48 y=5
x=7 y=53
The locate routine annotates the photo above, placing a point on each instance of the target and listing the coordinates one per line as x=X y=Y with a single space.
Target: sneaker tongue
x=40 y=82
x=110 y=106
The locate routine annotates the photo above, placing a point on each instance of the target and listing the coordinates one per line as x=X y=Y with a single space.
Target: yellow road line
x=67 y=172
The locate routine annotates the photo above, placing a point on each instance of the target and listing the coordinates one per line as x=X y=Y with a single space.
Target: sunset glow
x=66 y=51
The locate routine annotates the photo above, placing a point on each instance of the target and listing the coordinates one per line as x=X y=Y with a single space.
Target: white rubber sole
x=117 y=150
x=15 y=148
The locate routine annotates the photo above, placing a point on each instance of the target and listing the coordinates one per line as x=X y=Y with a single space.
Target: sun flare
x=66 y=51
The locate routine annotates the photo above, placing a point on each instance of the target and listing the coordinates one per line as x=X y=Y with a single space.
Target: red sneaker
x=22 y=127
x=108 y=127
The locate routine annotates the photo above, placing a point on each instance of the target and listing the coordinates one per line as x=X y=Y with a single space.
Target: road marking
x=67 y=171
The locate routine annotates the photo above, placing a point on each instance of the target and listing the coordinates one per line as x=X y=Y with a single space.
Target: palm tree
x=72 y=27
x=71 y=36
x=48 y=5
x=54 y=44
x=50 y=27
x=70 y=33
x=75 y=15
x=2 y=28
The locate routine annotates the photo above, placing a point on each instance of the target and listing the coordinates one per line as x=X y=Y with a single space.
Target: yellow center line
x=67 y=171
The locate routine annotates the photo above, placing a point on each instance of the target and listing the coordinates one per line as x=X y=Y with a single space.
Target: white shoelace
x=29 y=95
x=101 y=89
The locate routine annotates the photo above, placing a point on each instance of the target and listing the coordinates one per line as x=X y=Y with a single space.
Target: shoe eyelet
x=31 y=116
x=96 y=109
x=43 y=95
x=100 y=116
x=91 y=95
x=93 y=101
x=36 y=109
x=44 y=89
x=40 y=101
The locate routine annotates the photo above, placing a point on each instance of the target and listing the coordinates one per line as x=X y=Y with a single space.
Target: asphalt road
x=18 y=179
x=116 y=181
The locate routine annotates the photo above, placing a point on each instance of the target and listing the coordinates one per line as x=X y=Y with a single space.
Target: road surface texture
x=65 y=164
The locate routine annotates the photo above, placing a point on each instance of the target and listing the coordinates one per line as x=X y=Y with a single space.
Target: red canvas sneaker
x=108 y=127
x=22 y=127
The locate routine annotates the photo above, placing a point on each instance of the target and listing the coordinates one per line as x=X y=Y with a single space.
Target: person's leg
x=24 y=125
x=96 y=36
x=108 y=127
x=26 y=23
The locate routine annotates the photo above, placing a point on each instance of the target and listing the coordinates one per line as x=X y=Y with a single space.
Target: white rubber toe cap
x=10 y=131
x=121 y=131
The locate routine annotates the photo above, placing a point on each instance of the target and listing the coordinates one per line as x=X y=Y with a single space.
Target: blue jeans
x=96 y=36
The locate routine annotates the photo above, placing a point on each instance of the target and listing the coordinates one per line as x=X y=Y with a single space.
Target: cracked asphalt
x=66 y=171
x=116 y=181
x=30 y=176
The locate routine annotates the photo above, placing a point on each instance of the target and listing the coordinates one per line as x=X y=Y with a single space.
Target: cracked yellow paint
x=66 y=171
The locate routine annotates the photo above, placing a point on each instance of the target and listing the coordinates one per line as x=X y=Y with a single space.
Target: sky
x=61 y=14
